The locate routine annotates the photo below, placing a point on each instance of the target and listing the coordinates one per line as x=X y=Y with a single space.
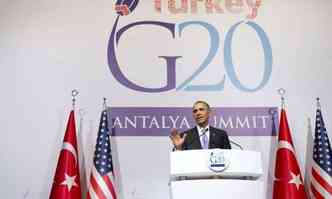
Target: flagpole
x=318 y=103
x=107 y=111
x=74 y=93
x=104 y=103
x=282 y=92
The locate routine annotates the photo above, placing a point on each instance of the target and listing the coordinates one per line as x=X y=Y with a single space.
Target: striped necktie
x=205 y=139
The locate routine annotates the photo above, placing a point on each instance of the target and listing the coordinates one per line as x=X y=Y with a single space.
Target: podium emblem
x=218 y=160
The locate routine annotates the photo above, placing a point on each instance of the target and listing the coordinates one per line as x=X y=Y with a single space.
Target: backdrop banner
x=158 y=121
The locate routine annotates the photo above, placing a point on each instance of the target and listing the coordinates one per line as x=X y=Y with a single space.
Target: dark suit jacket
x=218 y=139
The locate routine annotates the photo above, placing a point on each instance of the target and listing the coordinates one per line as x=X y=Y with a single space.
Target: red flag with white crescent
x=66 y=183
x=288 y=182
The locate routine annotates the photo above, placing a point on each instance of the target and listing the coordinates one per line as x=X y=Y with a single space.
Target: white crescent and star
x=295 y=178
x=69 y=147
x=69 y=181
x=282 y=144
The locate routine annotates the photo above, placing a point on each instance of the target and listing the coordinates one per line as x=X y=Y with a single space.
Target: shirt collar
x=199 y=129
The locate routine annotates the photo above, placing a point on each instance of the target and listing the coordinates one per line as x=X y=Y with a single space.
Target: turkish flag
x=66 y=184
x=288 y=182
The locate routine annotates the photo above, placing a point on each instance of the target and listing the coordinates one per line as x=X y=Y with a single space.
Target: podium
x=216 y=174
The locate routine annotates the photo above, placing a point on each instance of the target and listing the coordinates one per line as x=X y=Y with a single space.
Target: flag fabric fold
x=66 y=183
x=101 y=182
x=288 y=182
x=321 y=170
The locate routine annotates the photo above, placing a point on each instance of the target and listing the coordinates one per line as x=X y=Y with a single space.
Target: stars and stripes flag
x=101 y=182
x=288 y=182
x=66 y=184
x=321 y=172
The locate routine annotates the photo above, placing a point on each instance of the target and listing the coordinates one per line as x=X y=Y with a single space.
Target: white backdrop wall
x=48 y=48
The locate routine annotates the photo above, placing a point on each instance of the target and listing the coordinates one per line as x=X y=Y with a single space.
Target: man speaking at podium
x=202 y=136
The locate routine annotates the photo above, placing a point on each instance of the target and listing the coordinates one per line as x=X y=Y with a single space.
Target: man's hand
x=177 y=139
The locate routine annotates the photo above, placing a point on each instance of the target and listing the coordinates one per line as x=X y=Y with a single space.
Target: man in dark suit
x=202 y=136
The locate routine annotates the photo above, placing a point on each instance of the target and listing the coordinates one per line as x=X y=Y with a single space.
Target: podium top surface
x=216 y=162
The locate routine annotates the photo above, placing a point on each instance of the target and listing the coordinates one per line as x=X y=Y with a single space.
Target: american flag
x=321 y=172
x=101 y=182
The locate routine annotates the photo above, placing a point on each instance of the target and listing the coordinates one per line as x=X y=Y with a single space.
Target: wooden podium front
x=192 y=176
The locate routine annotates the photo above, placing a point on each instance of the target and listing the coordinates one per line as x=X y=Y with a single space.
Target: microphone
x=236 y=144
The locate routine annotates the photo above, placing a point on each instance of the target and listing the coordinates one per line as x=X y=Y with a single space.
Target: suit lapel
x=212 y=137
x=197 y=138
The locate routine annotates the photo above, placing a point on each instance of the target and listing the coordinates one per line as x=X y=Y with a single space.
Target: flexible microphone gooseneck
x=236 y=144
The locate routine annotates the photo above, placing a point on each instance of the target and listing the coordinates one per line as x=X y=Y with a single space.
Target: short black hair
x=202 y=102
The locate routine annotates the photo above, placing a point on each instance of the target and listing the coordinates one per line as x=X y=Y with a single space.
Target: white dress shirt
x=201 y=132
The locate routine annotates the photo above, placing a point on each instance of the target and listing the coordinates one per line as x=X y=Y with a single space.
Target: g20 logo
x=170 y=61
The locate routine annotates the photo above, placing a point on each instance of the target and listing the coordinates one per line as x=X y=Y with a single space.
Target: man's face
x=201 y=114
